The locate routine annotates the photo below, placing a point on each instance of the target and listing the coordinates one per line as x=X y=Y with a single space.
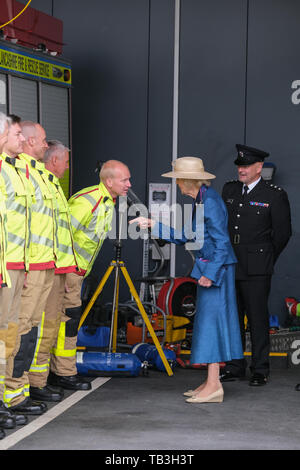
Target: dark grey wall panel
x=160 y=97
x=212 y=81
x=108 y=48
x=212 y=87
x=109 y=53
x=273 y=121
x=161 y=72
x=42 y=5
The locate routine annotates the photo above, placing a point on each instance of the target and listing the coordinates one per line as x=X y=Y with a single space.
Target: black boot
x=29 y=407
x=19 y=419
x=46 y=393
x=72 y=382
x=7 y=421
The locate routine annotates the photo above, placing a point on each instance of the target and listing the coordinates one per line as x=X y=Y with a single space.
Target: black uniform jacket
x=259 y=226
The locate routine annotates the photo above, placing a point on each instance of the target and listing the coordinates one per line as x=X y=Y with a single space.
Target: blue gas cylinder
x=99 y=364
x=148 y=353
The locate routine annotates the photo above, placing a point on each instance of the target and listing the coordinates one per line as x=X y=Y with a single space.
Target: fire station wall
x=211 y=88
x=122 y=62
x=273 y=118
x=237 y=83
x=239 y=68
x=42 y=5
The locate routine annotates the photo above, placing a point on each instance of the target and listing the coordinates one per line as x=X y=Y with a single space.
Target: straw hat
x=189 y=168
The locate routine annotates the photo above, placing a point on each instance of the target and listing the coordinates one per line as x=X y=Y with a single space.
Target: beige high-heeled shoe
x=189 y=393
x=215 y=397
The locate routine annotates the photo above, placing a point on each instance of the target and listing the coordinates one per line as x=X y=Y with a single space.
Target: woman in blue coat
x=216 y=331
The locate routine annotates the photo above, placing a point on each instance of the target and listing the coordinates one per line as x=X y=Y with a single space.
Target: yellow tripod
x=119 y=265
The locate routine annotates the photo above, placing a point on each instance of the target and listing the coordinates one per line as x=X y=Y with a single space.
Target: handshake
x=143 y=222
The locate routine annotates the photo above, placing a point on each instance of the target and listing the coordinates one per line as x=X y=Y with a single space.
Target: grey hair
x=3 y=120
x=54 y=146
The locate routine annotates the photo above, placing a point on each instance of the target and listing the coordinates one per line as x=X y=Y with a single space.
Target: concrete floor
x=149 y=413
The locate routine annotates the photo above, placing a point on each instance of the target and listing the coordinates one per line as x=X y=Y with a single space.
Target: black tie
x=245 y=191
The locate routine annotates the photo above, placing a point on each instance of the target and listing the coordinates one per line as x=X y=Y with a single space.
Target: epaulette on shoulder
x=273 y=186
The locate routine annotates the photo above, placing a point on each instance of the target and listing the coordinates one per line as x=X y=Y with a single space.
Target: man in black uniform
x=259 y=224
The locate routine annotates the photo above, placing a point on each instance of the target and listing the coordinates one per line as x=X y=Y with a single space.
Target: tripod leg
x=114 y=318
x=146 y=320
x=95 y=295
x=116 y=311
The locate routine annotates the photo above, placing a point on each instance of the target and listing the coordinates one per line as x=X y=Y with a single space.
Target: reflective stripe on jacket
x=43 y=242
x=91 y=215
x=4 y=276
x=18 y=194
x=66 y=260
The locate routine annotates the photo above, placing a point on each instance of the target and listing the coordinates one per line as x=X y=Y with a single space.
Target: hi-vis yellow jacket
x=4 y=276
x=18 y=194
x=66 y=258
x=43 y=242
x=91 y=215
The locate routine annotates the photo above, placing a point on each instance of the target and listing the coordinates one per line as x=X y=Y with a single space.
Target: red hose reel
x=178 y=297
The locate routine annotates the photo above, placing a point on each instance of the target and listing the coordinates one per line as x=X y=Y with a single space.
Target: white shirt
x=251 y=185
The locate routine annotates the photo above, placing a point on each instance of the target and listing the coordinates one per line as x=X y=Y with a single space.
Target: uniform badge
x=241 y=154
x=230 y=201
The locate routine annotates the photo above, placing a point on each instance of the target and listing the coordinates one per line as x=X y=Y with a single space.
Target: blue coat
x=216 y=332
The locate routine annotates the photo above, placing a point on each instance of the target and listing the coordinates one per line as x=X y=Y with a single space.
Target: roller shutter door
x=54 y=112
x=24 y=98
x=3 y=94
x=55 y=119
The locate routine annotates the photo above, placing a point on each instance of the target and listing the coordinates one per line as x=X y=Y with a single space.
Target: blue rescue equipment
x=147 y=353
x=108 y=364
x=90 y=337
x=274 y=322
x=93 y=362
